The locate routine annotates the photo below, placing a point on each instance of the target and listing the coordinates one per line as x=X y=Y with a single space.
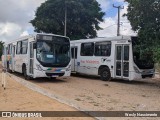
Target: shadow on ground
x=143 y=82
x=41 y=80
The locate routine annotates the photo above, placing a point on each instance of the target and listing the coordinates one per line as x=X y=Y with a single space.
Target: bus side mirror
x=34 y=45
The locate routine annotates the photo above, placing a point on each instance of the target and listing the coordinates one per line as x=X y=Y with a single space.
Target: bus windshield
x=141 y=58
x=53 y=51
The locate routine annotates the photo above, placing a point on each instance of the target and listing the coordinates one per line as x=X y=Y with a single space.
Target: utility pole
x=65 y=21
x=118 y=24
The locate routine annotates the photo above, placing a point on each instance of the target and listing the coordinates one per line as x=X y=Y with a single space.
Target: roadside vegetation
x=83 y=18
x=145 y=20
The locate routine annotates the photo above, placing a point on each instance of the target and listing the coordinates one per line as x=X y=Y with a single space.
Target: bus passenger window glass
x=118 y=68
x=126 y=69
x=103 y=49
x=74 y=53
x=24 y=46
x=126 y=52
x=87 y=49
x=9 y=51
x=31 y=50
x=14 y=51
x=18 y=48
x=119 y=51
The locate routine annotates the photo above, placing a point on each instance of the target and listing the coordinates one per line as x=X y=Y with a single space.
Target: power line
x=109 y=26
x=118 y=24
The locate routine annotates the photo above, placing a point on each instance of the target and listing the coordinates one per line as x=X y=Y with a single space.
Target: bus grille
x=54 y=74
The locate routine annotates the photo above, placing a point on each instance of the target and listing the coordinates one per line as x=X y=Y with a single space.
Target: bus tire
x=105 y=74
x=24 y=70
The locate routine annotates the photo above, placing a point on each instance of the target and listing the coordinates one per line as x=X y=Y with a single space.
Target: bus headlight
x=136 y=69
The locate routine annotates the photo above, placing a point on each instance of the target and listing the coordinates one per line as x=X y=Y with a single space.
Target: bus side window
x=102 y=48
x=87 y=49
x=8 y=49
x=24 y=46
x=14 y=48
x=18 y=51
x=74 y=53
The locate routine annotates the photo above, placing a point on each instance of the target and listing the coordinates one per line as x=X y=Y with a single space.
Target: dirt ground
x=86 y=92
x=90 y=93
x=19 y=98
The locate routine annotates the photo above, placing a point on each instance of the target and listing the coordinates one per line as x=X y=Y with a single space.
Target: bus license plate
x=55 y=76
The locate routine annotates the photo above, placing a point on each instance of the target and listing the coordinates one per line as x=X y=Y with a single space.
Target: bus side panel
x=91 y=64
x=88 y=65
x=19 y=60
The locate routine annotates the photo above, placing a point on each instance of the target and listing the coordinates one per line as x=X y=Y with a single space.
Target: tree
x=144 y=17
x=83 y=18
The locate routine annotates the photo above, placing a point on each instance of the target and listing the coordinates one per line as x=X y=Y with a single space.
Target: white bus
x=39 y=55
x=114 y=57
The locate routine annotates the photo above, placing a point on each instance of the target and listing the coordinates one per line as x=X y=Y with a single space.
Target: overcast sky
x=16 y=14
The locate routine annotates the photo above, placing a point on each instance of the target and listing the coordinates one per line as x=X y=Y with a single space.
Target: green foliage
x=145 y=19
x=1 y=48
x=157 y=53
x=83 y=18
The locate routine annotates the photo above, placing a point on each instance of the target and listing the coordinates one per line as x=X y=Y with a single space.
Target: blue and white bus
x=39 y=55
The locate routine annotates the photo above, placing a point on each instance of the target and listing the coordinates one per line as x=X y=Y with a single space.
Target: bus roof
x=103 y=39
x=30 y=36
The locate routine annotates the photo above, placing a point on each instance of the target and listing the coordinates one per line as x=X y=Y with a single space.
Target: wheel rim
x=105 y=74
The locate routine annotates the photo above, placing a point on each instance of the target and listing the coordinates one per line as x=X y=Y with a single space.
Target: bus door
x=122 y=61
x=74 y=51
x=31 y=59
x=13 y=57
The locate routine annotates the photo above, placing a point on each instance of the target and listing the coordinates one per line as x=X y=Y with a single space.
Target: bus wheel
x=105 y=74
x=25 y=73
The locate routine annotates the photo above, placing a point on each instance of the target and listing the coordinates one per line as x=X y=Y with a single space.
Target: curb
x=45 y=92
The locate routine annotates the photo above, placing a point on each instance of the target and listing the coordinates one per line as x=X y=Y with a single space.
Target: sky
x=16 y=14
